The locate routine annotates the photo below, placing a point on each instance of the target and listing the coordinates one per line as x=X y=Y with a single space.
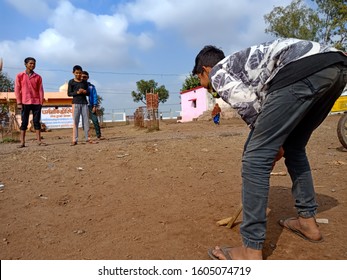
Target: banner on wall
x=54 y=117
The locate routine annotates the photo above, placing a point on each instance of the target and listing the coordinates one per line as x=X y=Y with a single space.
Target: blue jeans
x=216 y=118
x=95 y=121
x=288 y=118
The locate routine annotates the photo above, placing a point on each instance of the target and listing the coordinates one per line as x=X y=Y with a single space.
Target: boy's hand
x=278 y=157
x=81 y=91
x=279 y=154
x=215 y=94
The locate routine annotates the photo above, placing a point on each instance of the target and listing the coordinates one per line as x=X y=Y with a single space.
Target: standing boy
x=283 y=90
x=29 y=95
x=93 y=105
x=78 y=89
x=216 y=113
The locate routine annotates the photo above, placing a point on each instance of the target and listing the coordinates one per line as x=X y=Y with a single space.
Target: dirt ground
x=155 y=195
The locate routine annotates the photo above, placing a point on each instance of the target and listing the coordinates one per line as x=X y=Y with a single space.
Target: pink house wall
x=194 y=102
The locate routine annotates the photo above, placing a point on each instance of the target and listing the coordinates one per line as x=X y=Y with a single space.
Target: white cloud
x=200 y=22
x=122 y=38
x=78 y=34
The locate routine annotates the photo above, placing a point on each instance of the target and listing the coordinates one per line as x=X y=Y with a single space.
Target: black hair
x=85 y=73
x=208 y=56
x=28 y=59
x=76 y=67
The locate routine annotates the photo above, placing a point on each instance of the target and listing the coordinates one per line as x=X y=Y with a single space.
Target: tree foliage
x=190 y=82
x=101 y=110
x=327 y=24
x=150 y=86
x=333 y=27
x=6 y=83
x=293 y=21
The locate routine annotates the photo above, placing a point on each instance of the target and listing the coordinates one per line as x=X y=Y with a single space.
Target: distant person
x=93 y=105
x=283 y=90
x=78 y=89
x=216 y=113
x=30 y=96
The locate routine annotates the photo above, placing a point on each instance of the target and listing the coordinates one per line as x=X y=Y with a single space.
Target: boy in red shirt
x=29 y=95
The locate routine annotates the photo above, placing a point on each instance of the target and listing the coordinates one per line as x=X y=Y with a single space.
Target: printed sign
x=54 y=118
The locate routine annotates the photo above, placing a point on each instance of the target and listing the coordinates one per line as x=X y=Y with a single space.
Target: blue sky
x=122 y=42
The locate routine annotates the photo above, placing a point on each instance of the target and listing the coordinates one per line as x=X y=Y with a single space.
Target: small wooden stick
x=232 y=221
x=229 y=222
x=224 y=221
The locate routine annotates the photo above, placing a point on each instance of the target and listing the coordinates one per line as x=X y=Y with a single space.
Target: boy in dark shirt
x=78 y=89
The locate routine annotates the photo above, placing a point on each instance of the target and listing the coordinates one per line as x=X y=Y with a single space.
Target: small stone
x=322 y=221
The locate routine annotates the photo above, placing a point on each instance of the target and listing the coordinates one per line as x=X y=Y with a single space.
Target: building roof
x=192 y=89
x=51 y=98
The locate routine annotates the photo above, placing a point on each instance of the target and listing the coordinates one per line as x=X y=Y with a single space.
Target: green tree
x=6 y=83
x=327 y=24
x=101 y=110
x=190 y=82
x=150 y=86
x=333 y=28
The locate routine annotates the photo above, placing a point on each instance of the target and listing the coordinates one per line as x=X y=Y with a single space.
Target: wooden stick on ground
x=229 y=222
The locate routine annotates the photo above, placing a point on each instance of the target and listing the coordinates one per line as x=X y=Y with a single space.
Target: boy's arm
x=278 y=157
x=95 y=96
x=41 y=92
x=18 y=90
x=70 y=91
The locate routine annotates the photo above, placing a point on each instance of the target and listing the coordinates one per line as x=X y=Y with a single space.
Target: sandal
x=222 y=249
x=42 y=144
x=73 y=144
x=285 y=224
x=21 y=146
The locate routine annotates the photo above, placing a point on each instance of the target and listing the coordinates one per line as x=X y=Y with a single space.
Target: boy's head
x=30 y=63
x=207 y=58
x=85 y=75
x=76 y=68
x=29 y=59
x=77 y=71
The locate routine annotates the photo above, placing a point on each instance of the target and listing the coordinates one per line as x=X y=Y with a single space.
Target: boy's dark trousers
x=95 y=121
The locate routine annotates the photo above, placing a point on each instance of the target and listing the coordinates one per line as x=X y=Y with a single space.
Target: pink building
x=194 y=103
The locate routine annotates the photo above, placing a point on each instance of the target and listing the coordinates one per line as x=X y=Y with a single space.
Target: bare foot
x=235 y=253
x=304 y=227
